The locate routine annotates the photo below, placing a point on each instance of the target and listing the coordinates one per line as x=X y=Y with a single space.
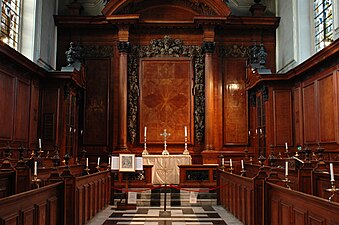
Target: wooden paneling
x=310 y=114
x=166 y=100
x=97 y=102
x=50 y=107
x=7 y=105
x=297 y=118
x=235 y=102
x=328 y=110
x=34 y=113
x=22 y=110
x=282 y=115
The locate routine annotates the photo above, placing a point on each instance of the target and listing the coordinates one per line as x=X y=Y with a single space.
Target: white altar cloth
x=165 y=167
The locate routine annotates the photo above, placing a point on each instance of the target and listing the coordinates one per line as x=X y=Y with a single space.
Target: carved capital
x=209 y=47
x=124 y=46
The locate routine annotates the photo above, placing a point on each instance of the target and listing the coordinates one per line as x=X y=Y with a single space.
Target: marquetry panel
x=6 y=105
x=97 y=101
x=166 y=100
x=235 y=102
x=310 y=114
x=328 y=111
x=282 y=101
x=22 y=111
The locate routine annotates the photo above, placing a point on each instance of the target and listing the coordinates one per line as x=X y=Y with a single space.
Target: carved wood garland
x=159 y=48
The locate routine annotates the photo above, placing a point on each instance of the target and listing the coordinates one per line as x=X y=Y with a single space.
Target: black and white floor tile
x=200 y=215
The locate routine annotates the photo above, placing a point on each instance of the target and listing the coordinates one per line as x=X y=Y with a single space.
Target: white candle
x=185 y=131
x=109 y=160
x=230 y=162
x=86 y=162
x=331 y=172
x=112 y=163
x=222 y=161
x=286 y=168
x=286 y=146
x=242 y=164
x=35 y=168
x=249 y=133
x=98 y=161
x=39 y=142
x=145 y=131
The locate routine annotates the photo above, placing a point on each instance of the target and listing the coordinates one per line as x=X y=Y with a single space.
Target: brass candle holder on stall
x=287 y=182
x=333 y=190
x=36 y=181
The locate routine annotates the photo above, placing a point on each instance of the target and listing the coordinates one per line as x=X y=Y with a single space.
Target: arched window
x=323 y=21
x=10 y=22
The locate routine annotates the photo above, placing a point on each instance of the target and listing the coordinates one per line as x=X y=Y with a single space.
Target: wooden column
x=123 y=47
x=209 y=95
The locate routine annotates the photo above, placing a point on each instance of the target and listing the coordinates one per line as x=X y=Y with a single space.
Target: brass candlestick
x=333 y=190
x=287 y=182
x=145 y=152
x=98 y=168
x=86 y=171
x=186 y=152
x=243 y=172
x=231 y=169
x=36 y=181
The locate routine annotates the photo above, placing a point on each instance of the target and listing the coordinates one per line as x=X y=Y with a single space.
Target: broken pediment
x=168 y=10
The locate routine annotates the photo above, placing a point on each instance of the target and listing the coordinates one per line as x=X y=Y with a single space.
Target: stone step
x=174 y=197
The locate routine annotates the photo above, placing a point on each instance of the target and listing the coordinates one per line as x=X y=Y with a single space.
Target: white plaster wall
x=45 y=34
x=286 y=33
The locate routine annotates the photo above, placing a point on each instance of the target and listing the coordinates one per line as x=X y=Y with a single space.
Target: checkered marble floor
x=200 y=215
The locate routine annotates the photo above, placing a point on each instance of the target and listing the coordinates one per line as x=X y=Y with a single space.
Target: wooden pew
x=39 y=206
x=243 y=196
x=284 y=206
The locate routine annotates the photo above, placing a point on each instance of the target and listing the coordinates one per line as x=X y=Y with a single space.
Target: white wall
x=295 y=34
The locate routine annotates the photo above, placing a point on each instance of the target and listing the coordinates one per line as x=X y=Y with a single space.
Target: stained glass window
x=10 y=19
x=323 y=21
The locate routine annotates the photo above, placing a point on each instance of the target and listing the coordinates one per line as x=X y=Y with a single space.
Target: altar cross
x=165 y=134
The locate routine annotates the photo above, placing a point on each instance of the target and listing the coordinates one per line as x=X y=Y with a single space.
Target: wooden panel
x=51 y=100
x=327 y=110
x=310 y=114
x=53 y=217
x=13 y=219
x=299 y=217
x=298 y=123
x=41 y=211
x=274 y=214
x=6 y=106
x=285 y=214
x=96 y=102
x=166 y=100
x=34 y=113
x=282 y=117
x=316 y=221
x=235 y=103
x=28 y=216
x=22 y=111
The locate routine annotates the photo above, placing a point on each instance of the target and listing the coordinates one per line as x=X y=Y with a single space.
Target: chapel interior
x=117 y=102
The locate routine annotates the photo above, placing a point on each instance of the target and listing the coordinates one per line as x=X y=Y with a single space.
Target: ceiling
x=238 y=7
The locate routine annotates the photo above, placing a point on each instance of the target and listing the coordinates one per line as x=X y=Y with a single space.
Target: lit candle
x=286 y=168
x=112 y=163
x=86 y=162
x=109 y=160
x=222 y=161
x=249 y=133
x=331 y=172
x=145 y=131
x=39 y=142
x=286 y=146
x=256 y=131
x=230 y=162
x=242 y=164
x=185 y=131
x=35 y=168
x=98 y=161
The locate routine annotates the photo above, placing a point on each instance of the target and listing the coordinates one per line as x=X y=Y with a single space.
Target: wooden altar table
x=165 y=167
